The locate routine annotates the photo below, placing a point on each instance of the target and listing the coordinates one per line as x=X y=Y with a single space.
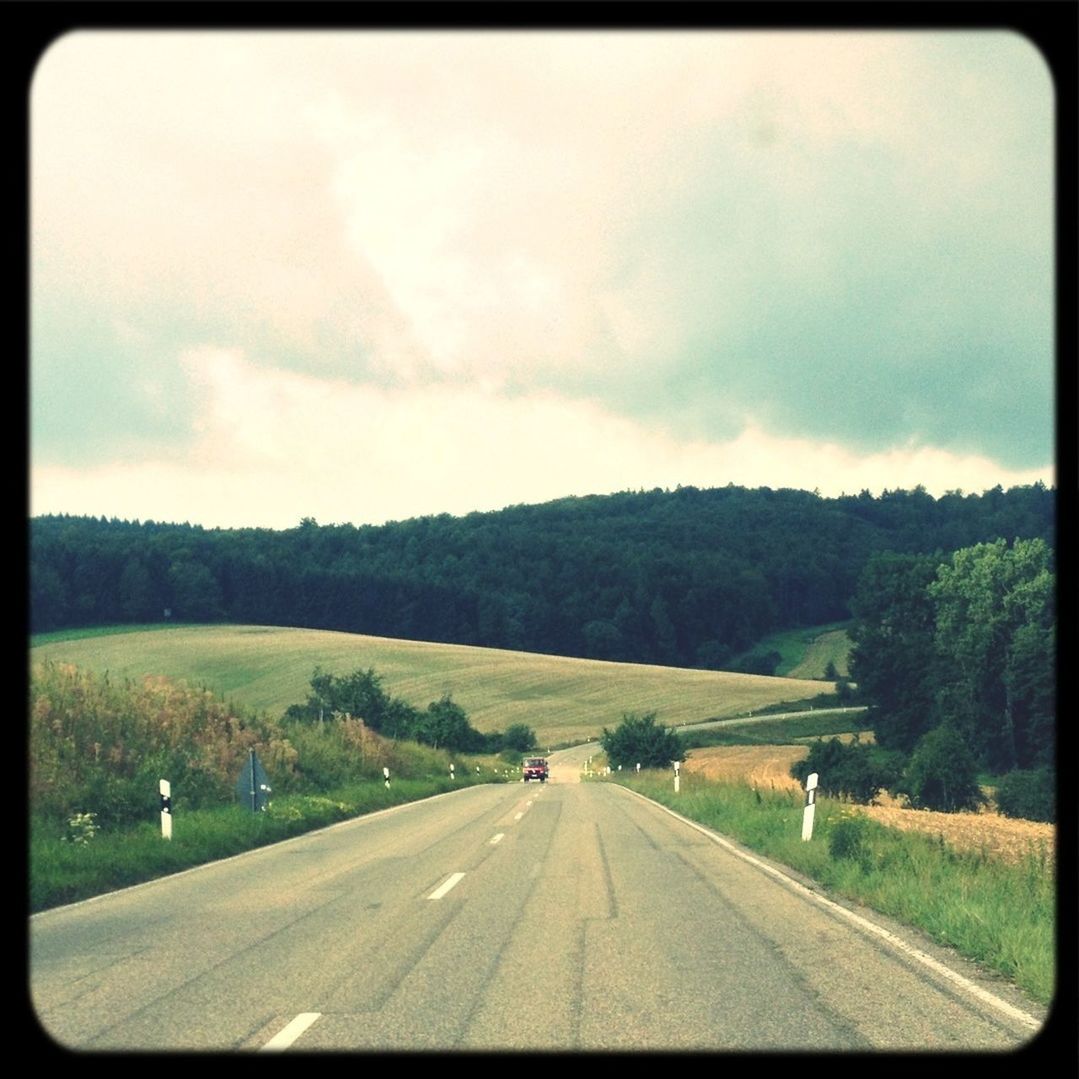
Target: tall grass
x=99 y=746
x=996 y=913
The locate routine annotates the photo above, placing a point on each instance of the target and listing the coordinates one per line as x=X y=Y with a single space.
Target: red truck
x=534 y=768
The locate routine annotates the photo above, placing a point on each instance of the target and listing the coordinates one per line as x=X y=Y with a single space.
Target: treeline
x=957 y=657
x=690 y=577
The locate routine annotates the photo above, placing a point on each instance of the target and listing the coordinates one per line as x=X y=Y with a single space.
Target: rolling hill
x=564 y=700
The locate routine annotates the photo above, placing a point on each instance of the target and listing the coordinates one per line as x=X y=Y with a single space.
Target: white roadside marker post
x=386 y=773
x=165 y=789
x=810 y=809
x=677 y=765
x=452 y=776
x=638 y=768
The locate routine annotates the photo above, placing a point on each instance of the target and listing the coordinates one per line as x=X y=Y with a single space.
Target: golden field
x=768 y=767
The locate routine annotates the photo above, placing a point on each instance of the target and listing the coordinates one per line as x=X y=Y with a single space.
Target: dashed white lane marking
x=451 y=882
x=497 y=838
x=519 y=816
x=284 y=1038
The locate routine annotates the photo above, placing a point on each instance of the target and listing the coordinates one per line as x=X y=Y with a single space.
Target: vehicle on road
x=534 y=768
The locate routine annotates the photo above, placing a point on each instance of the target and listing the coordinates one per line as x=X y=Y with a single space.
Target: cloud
x=840 y=243
x=273 y=446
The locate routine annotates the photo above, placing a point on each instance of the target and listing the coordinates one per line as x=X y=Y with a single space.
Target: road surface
x=562 y=916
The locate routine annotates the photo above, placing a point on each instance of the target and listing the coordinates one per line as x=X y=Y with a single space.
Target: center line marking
x=442 y=889
x=284 y=1038
x=498 y=838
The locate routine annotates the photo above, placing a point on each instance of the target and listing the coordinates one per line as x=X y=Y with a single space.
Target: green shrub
x=1028 y=795
x=637 y=740
x=942 y=773
x=855 y=771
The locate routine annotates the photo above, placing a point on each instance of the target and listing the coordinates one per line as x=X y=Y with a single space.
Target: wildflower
x=81 y=828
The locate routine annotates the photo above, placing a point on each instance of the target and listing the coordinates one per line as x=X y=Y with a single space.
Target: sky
x=363 y=276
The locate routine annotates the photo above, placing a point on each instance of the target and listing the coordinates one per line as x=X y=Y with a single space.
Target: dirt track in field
x=768 y=767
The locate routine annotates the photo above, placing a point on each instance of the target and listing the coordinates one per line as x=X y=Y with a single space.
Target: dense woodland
x=690 y=577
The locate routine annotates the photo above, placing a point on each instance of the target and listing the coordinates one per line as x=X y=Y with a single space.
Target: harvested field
x=768 y=767
x=1001 y=837
x=765 y=767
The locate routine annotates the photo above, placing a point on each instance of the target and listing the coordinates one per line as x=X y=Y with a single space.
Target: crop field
x=564 y=700
x=768 y=767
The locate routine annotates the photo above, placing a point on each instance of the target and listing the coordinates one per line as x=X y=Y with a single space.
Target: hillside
x=684 y=578
x=564 y=700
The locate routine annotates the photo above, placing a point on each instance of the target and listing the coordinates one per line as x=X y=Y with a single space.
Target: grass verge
x=62 y=871
x=1000 y=915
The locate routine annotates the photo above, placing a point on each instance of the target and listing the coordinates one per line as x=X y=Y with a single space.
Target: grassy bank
x=64 y=871
x=1000 y=915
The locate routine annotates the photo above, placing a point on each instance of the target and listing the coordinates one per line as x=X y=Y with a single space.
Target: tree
x=359 y=695
x=445 y=724
x=137 y=599
x=1028 y=795
x=942 y=773
x=995 y=626
x=196 y=596
x=637 y=740
x=894 y=657
x=520 y=737
x=855 y=771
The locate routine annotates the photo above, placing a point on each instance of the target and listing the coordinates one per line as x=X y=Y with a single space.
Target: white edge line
x=284 y=1038
x=251 y=852
x=497 y=838
x=451 y=882
x=863 y=923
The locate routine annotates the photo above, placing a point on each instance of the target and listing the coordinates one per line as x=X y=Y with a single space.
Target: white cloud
x=275 y=446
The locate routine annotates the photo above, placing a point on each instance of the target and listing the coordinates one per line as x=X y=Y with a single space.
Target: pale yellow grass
x=564 y=700
x=768 y=767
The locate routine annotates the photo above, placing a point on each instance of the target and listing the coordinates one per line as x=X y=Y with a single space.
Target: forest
x=688 y=577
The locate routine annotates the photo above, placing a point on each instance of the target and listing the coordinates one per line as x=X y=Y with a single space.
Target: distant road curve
x=763 y=718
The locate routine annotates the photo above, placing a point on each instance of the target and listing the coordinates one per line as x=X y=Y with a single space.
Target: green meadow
x=564 y=700
x=806 y=652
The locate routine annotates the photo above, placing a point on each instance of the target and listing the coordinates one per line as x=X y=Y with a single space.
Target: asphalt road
x=563 y=916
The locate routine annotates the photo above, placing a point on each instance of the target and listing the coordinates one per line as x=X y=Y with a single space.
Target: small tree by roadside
x=519 y=737
x=638 y=740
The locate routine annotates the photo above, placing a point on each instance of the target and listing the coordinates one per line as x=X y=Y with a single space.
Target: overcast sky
x=372 y=275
